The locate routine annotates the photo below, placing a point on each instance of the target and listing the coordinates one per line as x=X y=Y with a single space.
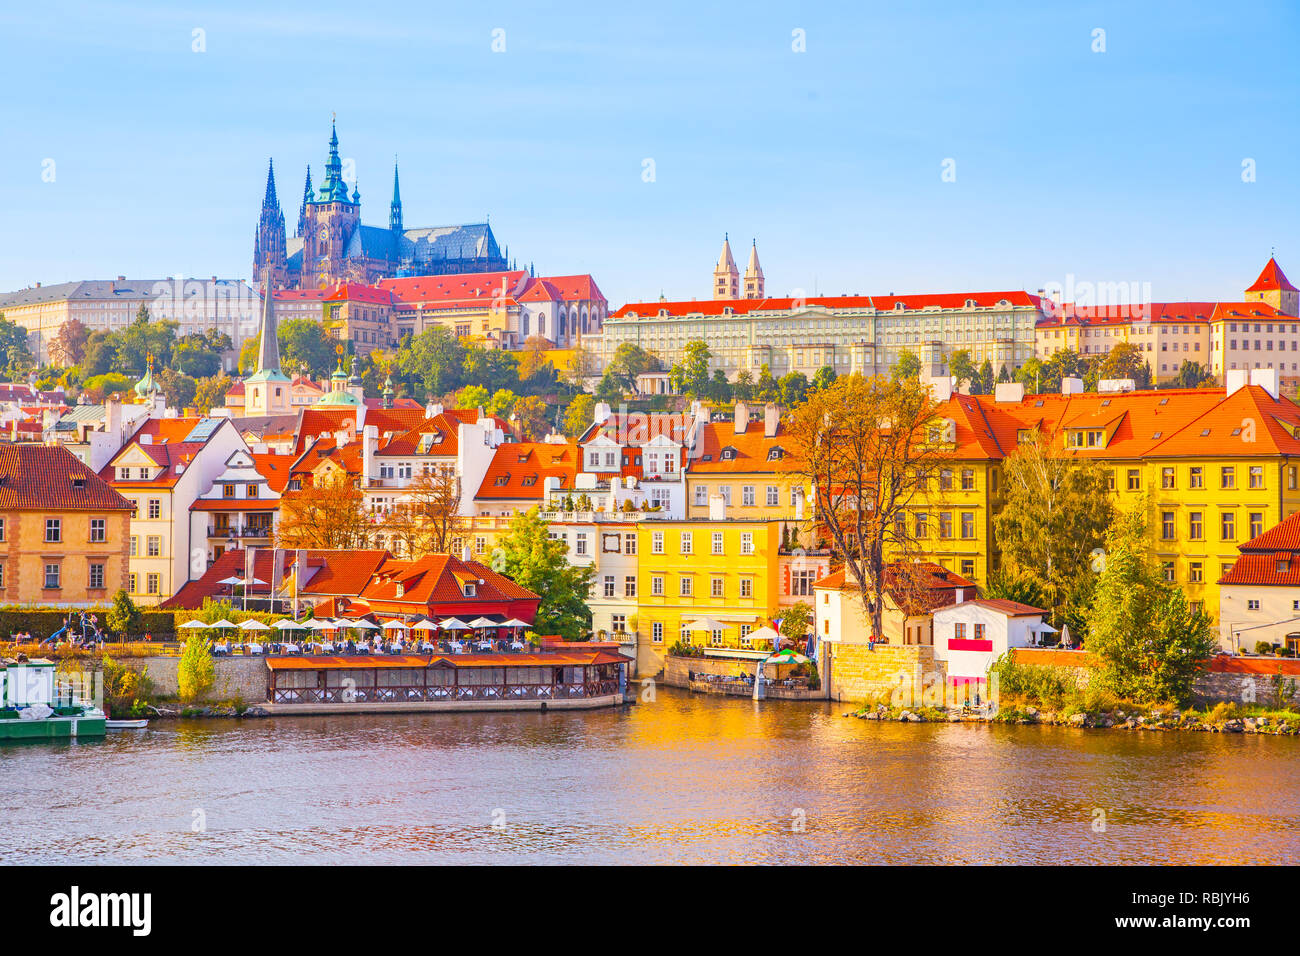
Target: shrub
x=123 y=617
x=1049 y=686
x=196 y=673
x=681 y=649
x=1263 y=647
x=126 y=690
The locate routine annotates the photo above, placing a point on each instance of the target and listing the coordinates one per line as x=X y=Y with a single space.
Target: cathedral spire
x=307 y=197
x=268 y=349
x=333 y=188
x=270 y=201
x=395 y=208
x=726 y=277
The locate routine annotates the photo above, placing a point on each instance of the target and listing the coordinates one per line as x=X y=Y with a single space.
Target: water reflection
x=682 y=779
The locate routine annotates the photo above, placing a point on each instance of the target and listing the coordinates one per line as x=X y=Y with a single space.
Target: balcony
x=240 y=531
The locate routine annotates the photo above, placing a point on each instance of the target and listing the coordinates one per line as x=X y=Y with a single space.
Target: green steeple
x=333 y=188
x=338 y=393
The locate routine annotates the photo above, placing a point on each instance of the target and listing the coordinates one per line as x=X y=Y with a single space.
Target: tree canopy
x=534 y=560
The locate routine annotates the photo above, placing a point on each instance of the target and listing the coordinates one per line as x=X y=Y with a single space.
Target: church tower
x=331 y=220
x=269 y=247
x=1273 y=288
x=726 y=277
x=266 y=391
x=754 y=286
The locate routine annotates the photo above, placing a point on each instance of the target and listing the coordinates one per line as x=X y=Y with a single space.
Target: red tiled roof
x=519 y=470
x=358 y=292
x=436 y=579
x=1009 y=608
x=340 y=572
x=41 y=477
x=275 y=469
x=1264 y=569
x=953 y=300
x=903 y=581
x=1281 y=537
x=1272 y=278
x=751 y=451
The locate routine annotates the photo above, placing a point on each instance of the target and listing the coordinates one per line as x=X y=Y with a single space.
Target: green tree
x=177 y=389
x=13 y=346
x=540 y=563
x=767 y=388
x=796 y=622
x=907 y=366
x=123 y=617
x=494 y=369
x=578 y=416
x=794 y=387
x=984 y=382
x=473 y=396
x=962 y=368
x=210 y=392
x=610 y=388
x=824 y=377
x=531 y=417
x=143 y=337
x=1190 y=375
x=1148 y=641
x=433 y=362
x=1055 y=514
x=720 y=390
x=690 y=376
x=743 y=388
x=501 y=403
x=195 y=674
x=1126 y=360
x=304 y=344
x=195 y=359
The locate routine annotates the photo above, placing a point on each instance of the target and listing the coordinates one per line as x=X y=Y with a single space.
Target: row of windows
x=54 y=530
x=748 y=495
x=1196 y=478
x=686 y=542
x=921 y=525
x=52 y=578
x=1196 y=525
x=153 y=546
x=686 y=587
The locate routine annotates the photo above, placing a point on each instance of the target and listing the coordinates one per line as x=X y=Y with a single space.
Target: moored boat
x=125 y=724
x=31 y=708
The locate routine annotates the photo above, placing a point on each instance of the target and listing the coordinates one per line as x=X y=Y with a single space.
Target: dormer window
x=469 y=589
x=775 y=454
x=502 y=481
x=401 y=589
x=529 y=481
x=1283 y=564
x=728 y=454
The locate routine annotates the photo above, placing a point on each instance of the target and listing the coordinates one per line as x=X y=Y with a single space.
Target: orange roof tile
x=519 y=469
x=1272 y=278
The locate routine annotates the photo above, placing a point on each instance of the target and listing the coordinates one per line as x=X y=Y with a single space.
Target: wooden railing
x=417 y=693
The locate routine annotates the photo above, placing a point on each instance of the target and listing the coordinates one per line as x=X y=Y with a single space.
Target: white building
x=970 y=635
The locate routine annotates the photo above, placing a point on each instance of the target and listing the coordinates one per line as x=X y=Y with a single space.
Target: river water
x=684 y=779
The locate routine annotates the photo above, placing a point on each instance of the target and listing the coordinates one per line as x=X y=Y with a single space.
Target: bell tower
x=726 y=277
x=330 y=222
x=269 y=255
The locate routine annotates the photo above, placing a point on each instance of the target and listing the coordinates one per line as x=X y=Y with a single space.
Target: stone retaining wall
x=859 y=672
x=242 y=677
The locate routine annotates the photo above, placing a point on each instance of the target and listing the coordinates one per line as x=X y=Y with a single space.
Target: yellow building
x=1215 y=467
x=745 y=469
x=690 y=571
x=63 y=530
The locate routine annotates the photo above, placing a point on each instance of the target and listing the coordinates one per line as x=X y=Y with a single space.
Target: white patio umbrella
x=221 y=623
x=194 y=624
x=705 y=624
x=425 y=625
x=483 y=622
x=764 y=634
x=364 y=625
x=454 y=624
x=287 y=625
x=231 y=580
x=395 y=626
x=251 y=625
x=319 y=624
x=514 y=622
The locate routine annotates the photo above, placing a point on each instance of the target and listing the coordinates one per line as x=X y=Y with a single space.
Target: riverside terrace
x=563 y=679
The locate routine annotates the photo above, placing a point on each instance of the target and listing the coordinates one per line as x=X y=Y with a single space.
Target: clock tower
x=329 y=221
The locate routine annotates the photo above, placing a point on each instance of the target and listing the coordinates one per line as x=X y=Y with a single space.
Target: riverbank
x=1223 y=718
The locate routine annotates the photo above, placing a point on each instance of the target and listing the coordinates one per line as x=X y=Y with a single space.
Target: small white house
x=971 y=635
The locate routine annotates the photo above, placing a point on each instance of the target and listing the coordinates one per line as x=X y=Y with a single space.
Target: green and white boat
x=33 y=708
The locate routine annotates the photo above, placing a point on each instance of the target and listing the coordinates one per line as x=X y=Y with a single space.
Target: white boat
x=126 y=724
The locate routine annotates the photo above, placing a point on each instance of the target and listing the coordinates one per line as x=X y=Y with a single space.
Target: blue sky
x=1118 y=166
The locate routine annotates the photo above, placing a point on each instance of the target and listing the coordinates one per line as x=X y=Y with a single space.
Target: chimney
x=1234 y=379
x=940 y=387
x=1009 y=392
x=742 y=417
x=465 y=554
x=771 y=419
x=1265 y=378
x=602 y=412
x=113 y=418
x=369 y=444
x=1070 y=385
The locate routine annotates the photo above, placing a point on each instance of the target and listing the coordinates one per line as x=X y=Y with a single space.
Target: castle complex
x=330 y=244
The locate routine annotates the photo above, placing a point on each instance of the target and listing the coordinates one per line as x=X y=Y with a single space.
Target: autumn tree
x=578 y=416
x=328 y=514
x=907 y=366
x=210 y=392
x=530 y=415
x=1056 y=512
x=870 y=449
x=1126 y=360
x=69 y=346
x=429 y=517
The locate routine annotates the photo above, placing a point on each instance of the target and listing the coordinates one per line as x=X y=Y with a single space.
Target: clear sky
x=1117 y=166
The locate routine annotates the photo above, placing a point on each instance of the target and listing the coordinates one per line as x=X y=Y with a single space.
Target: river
x=683 y=779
